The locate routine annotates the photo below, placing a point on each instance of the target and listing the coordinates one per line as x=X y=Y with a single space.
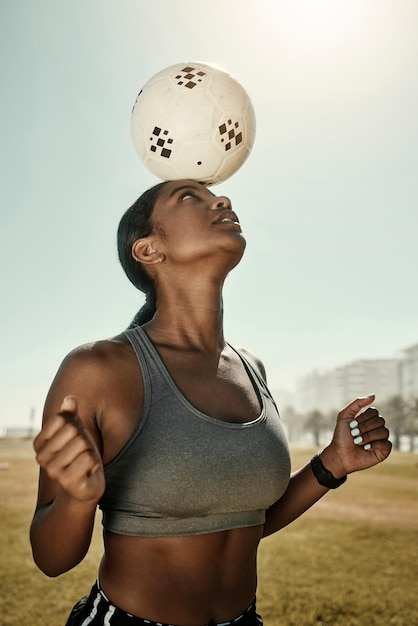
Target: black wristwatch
x=324 y=476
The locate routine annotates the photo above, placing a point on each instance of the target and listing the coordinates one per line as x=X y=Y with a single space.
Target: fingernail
x=353 y=424
x=358 y=440
x=367 y=446
x=355 y=432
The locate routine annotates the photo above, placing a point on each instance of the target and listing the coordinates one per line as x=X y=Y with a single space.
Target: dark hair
x=136 y=223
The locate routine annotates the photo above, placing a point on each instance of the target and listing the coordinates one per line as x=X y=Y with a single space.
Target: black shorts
x=97 y=610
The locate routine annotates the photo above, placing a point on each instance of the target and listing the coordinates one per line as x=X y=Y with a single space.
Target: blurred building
x=409 y=373
x=333 y=389
x=316 y=390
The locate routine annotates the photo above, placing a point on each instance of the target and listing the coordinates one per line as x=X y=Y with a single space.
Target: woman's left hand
x=360 y=439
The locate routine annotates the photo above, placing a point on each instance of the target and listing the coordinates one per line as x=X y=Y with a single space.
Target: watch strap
x=323 y=475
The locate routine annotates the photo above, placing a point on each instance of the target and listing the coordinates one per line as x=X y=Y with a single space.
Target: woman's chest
x=222 y=390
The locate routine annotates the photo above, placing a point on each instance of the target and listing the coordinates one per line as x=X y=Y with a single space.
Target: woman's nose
x=221 y=202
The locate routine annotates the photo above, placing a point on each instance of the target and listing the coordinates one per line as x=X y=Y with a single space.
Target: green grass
x=352 y=560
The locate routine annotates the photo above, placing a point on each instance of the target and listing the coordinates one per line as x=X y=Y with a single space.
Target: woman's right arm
x=71 y=480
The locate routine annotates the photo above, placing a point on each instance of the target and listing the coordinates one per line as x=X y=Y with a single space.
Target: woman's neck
x=189 y=317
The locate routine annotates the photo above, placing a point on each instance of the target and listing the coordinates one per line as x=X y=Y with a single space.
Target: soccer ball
x=193 y=120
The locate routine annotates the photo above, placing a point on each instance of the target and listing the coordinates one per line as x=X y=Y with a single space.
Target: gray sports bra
x=185 y=473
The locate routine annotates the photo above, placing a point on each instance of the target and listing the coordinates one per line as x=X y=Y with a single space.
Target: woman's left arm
x=360 y=440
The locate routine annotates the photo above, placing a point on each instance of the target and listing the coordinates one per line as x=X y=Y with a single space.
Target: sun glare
x=320 y=19
x=319 y=13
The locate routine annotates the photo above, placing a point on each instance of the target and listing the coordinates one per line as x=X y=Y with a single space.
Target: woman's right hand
x=66 y=451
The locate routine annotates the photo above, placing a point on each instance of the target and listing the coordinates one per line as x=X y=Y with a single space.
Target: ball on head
x=193 y=120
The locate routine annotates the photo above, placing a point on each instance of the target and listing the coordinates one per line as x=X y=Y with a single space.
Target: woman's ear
x=144 y=251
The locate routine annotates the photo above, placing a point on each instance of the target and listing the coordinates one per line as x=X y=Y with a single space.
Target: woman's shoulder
x=254 y=360
x=97 y=357
x=100 y=348
x=103 y=377
x=92 y=370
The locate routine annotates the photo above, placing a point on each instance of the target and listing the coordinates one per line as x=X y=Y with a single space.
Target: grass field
x=352 y=560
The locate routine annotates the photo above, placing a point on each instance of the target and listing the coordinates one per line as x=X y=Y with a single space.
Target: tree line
x=401 y=418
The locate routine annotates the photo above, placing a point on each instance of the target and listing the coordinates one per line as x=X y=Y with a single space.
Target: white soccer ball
x=193 y=120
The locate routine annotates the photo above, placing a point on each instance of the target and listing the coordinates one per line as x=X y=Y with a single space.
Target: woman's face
x=193 y=223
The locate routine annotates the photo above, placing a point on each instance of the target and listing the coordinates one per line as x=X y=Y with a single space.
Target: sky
x=327 y=199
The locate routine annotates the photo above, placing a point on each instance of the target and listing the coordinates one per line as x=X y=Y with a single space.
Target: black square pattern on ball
x=230 y=134
x=159 y=140
x=189 y=77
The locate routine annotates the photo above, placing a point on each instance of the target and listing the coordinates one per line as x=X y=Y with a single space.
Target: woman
x=173 y=433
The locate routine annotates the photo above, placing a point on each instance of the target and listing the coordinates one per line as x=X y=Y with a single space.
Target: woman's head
x=136 y=223
x=181 y=221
